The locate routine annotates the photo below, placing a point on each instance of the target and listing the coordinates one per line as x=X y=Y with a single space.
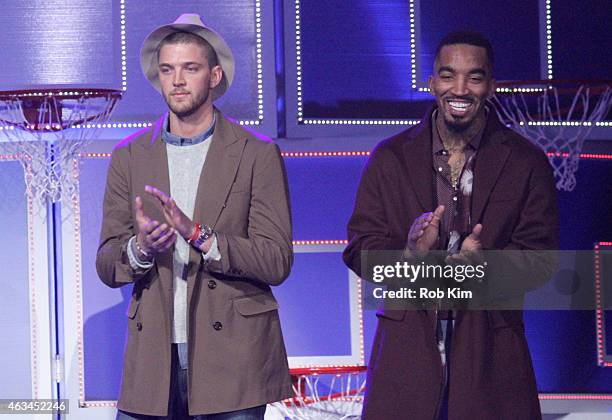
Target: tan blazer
x=237 y=358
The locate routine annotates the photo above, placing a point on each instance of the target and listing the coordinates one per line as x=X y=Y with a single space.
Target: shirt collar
x=438 y=146
x=175 y=140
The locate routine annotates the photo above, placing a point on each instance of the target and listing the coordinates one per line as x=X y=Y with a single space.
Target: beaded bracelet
x=139 y=249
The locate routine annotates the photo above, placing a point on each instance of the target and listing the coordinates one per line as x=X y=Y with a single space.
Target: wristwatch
x=200 y=235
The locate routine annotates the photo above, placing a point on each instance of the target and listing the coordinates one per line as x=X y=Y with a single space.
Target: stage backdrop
x=324 y=76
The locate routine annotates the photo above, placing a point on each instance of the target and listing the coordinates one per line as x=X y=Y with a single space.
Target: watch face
x=208 y=230
x=205 y=233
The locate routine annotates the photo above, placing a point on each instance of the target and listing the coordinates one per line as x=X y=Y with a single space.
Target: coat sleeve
x=531 y=257
x=267 y=253
x=369 y=228
x=538 y=224
x=112 y=262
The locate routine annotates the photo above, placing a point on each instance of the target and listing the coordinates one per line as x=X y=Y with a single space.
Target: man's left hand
x=172 y=213
x=469 y=253
x=472 y=242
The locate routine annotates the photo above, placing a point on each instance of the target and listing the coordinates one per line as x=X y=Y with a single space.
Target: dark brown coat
x=514 y=198
x=243 y=195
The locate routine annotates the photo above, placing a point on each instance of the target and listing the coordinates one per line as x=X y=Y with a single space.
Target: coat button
x=139 y=326
x=217 y=325
x=212 y=284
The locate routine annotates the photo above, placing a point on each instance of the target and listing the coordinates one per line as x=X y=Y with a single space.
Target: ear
x=492 y=87
x=216 y=74
x=430 y=85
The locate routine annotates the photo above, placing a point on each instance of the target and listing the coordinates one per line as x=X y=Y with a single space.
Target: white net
x=325 y=396
x=556 y=121
x=47 y=131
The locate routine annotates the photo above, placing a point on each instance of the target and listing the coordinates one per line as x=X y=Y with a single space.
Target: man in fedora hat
x=197 y=219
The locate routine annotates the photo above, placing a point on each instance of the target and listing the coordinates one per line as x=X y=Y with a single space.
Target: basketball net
x=47 y=131
x=556 y=118
x=325 y=394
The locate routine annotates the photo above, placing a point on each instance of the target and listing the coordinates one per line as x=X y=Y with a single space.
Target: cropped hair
x=470 y=38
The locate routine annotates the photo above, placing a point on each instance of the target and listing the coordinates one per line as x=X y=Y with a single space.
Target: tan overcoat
x=237 y=358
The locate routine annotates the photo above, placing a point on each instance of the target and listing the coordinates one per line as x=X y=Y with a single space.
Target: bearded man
x=197 y=220
x=459 y=182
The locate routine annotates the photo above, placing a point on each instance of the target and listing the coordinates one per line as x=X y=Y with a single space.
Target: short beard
x=463 y=127
x=458 y=127
x=191 y=108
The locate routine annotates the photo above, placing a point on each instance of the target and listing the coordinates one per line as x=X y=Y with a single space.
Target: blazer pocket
x=133 y=308
x=240 y=187
x=255 y=304
x=241 y=191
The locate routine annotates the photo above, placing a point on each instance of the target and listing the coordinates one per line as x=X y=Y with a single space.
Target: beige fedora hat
x=192 y=23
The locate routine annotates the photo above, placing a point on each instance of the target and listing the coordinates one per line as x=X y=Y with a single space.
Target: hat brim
x=148 y=53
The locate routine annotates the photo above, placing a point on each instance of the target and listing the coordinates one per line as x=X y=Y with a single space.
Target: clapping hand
x=423 y=234
x=152 y=238
x=470 y=249
x=172 y=213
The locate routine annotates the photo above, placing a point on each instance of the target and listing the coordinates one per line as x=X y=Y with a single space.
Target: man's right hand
x=152 y=238
x=423 y=234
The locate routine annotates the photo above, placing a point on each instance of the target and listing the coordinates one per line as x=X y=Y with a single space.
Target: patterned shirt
x=456 y=221
x=456 y=199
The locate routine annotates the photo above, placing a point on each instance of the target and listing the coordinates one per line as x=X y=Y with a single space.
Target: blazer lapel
x=218 y=173
x=158 y=161
x=216 y=179
x=155 y=165
x=491 y=158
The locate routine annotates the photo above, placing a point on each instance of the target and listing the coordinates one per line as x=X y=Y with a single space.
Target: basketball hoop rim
x=52 y=100
x=327 y=370
x=61 y=93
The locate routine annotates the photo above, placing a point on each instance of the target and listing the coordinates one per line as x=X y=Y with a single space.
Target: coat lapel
x=490 y=161
x=491 y=158
x=417 y=155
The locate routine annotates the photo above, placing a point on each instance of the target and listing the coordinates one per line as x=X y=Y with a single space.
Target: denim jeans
x=177 y=406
